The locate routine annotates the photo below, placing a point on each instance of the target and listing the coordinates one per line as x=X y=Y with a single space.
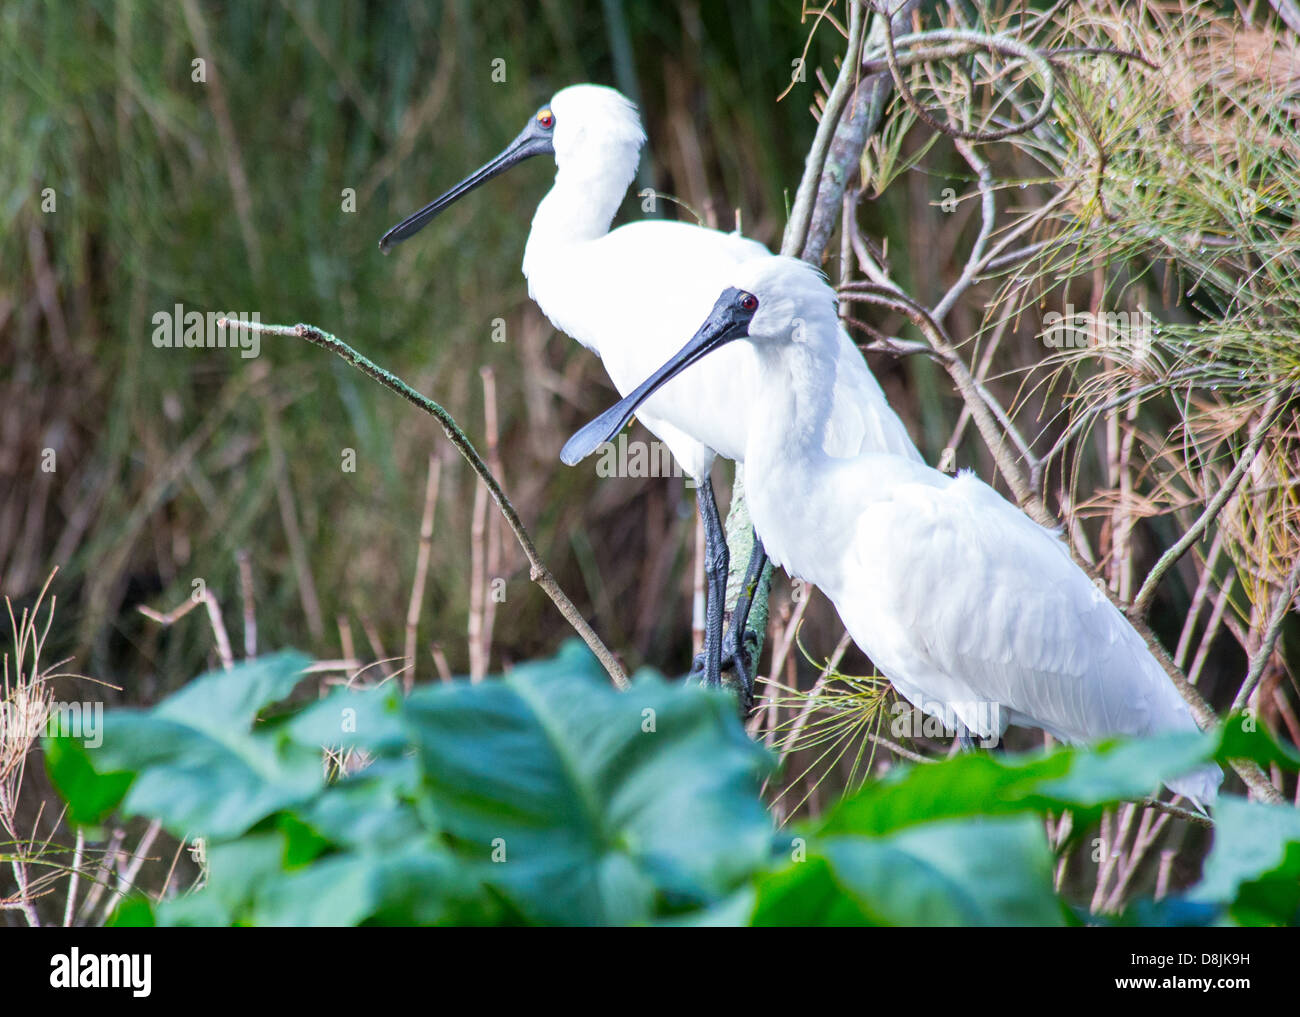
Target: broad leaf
x=586 y=805
x=981 y=784
x=968 y=872
x=1254 y=866
x=196 y=761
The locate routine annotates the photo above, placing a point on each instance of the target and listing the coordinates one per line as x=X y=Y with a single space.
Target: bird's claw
x=738 y=658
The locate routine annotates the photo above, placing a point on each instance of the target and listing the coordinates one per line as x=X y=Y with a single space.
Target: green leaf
x=370 y=719
x=979 y=784
x=302 y=844
x=806 y=894
x=237 y=870
x=1169 y=912
x=1243 y=737
x=224 y=703
x=91 y=794
x=1254 y=865
x=368 y=810
x=586 y=805
x=195 y=762
x=413 y=887
x=1124 y=771
x=964 y=872
x=133 y=911
x=197 y=785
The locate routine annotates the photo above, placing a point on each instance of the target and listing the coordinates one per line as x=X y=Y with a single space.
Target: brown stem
x=538 y=572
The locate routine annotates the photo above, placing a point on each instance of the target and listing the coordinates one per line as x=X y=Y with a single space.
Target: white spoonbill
x=975 y=612
x=629 y=295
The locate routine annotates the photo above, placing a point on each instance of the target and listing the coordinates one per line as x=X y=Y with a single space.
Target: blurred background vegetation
x=228 y=196
x=231 y=194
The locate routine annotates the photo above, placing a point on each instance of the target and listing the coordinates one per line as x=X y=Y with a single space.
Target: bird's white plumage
x=635 y=294
x=956 y=595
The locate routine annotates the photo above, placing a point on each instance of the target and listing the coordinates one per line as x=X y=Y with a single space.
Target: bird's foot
x=736 y=658
x=699 y=672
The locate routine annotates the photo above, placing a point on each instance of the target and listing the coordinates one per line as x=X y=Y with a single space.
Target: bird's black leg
x=739 y=644
x=716 y=562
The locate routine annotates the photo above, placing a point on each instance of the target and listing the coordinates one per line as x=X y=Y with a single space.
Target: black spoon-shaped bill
x=728 y=320
x=535 y=139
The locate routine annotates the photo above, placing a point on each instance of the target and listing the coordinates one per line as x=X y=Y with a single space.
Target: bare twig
x=996 y=43
x=74 y=877
x=538 y=571
x=1212 y=509
x=421 y=567
x=246 y=597
x=127 y=876
x=209 y=600
x=1259 y=659
x=993 y=425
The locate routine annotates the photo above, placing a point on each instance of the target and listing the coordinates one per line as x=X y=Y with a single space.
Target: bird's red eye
x=546 y=118
x=748 y=302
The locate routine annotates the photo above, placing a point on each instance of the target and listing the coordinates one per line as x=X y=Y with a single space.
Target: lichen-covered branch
x=538 y=572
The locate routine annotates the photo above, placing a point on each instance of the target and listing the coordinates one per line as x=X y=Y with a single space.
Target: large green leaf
x=585 y=805
x=961 y=842
x=372 y=719
x=196 y=761
x=543 y=797
x=1243 y=737
x=994 y=871
x=981 y=784
x=1254 y=866
x=409 y=886
x=371 y=810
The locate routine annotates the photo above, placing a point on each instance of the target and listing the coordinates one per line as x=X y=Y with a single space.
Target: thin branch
x=127 y=876
x=1212 y=509
x=538 y=572
x=796 y=232
x=843 y=157
x=993 y=425
x=246 y=596
x=70 y=905
x=988 y=213
x=421 y=567
x=209 y=600
x=1281 y=608
x=1179 y=813
x=996 y=43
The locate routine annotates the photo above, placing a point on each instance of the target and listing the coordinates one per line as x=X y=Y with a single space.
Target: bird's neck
x=589 y=187
x=794 y=403
x=785 y=460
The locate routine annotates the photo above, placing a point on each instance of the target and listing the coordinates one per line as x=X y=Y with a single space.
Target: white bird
x=975 y=612
x=629 y=295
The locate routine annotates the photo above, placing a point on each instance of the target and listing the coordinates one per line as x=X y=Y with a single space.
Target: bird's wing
x=681 y=246
x=637 y=295
x=970 y=589
x=623 y=275
x=691 y=266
